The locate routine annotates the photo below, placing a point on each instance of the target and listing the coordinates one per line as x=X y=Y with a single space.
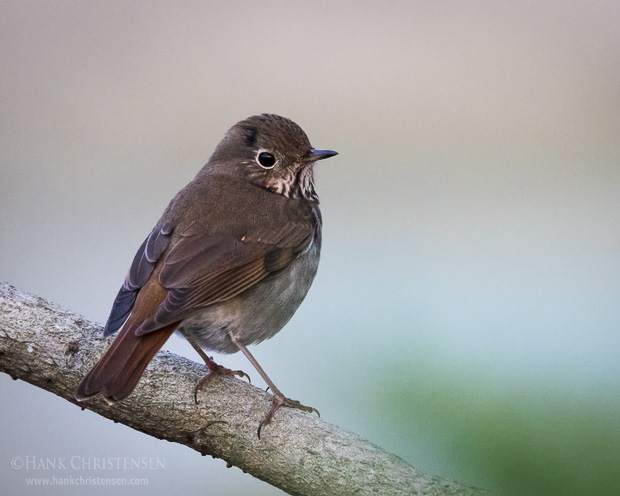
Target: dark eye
x=266 y=160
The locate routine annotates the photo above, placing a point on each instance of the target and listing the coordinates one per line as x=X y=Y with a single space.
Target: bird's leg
x=279 y=400
x=214 y=370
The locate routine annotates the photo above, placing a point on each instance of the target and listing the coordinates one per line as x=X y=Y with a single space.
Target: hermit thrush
x=229 y=262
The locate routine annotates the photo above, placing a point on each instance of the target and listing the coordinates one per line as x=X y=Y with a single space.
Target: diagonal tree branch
x=53 y=348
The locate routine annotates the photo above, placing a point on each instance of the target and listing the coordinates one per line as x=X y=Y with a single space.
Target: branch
x=53 y=348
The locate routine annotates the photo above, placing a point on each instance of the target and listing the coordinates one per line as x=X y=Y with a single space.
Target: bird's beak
x=320 y=154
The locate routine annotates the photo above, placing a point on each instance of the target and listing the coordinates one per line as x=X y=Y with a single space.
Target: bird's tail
x=118 y=371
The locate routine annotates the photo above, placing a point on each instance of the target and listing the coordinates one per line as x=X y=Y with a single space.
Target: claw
x=217 y=370
x=201 y=383
x=278 y=402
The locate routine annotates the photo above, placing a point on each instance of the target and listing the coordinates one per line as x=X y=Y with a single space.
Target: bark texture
x=53 y=348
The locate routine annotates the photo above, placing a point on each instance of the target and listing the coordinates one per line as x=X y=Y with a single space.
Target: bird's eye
x=266 y=159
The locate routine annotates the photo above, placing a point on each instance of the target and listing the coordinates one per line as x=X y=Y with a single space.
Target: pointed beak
x=320 y=154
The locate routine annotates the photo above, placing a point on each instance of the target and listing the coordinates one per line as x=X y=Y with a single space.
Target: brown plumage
x=228 y=263
x=118 y=371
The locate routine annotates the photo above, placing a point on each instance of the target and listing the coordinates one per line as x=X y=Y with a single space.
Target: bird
x=228 y=263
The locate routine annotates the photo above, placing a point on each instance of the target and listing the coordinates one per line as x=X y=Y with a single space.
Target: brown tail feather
x=118 y=371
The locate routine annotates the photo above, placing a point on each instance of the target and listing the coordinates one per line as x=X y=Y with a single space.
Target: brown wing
x=202 y=268
x=139 y=273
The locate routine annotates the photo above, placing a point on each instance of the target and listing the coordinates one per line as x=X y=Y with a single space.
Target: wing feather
x=139 y=273
x=202 y=269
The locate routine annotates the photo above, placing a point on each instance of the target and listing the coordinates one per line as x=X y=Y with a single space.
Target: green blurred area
x=523 y=441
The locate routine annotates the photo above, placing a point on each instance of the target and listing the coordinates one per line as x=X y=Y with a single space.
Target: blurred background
x=466 y=313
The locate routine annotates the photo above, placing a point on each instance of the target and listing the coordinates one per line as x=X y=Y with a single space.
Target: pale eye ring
x=265 y=159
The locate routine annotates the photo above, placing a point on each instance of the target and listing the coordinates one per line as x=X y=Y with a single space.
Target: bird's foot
x=215 y=370
x=278 y=401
